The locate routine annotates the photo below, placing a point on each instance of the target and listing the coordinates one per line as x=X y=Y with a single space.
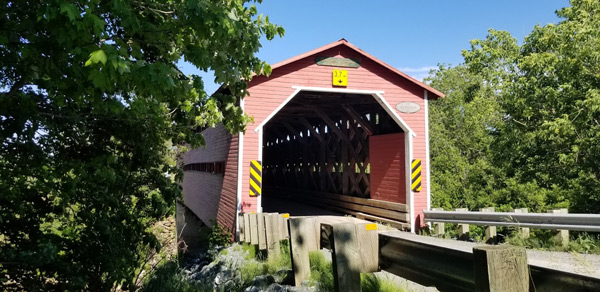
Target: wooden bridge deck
x=294 y=208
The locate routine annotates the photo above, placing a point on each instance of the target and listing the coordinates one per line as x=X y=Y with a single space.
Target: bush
x=218 y=236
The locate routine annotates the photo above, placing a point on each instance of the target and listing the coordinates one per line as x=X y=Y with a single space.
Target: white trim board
x=377 y=94
x=260 y=158
x=388 y=108
x=427 y=156
x=410 y=195
x=239 y=176
x=268 y=118
x=338 y=90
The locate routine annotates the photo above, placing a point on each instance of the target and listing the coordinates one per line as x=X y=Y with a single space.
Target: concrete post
x=490 y=231
x=562 y=236
x=524 y=231
x=463 y=229
x=438 y=227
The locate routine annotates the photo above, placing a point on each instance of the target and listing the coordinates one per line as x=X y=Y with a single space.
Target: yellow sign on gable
x=340 y=78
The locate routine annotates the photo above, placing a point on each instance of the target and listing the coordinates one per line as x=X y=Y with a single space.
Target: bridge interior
x=318 y=144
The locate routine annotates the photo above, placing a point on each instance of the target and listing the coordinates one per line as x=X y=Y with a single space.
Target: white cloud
x=418 y=73
x=416 y=70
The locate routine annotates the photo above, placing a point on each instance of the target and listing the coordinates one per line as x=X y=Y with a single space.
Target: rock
x=263 y=281
x=252 y=289
x=211 y=269
x=224 y=276
x=305 y=283
x=300 y=289
x=229 y=285
x=276 y=288
x=284 y=277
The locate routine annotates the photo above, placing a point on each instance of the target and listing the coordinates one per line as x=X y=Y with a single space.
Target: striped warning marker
x=255 y=178
x=416 y=175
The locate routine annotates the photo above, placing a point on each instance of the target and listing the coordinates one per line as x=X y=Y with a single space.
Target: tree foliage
x=520 y=124
x=90 y=98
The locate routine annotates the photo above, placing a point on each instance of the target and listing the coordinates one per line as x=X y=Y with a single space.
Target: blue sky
x=412 y=36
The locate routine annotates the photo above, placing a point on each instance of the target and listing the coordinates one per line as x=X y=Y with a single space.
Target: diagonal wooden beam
x=294 y=132
x=359 y=119
x=331 y=125
x=313 y=133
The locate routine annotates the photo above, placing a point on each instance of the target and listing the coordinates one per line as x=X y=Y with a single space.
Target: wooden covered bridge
x=334 y=128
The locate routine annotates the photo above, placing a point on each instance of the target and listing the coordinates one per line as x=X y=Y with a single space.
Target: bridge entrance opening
x=330 y=153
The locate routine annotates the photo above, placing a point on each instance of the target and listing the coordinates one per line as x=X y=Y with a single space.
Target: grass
x=254 y=267
x=372 y=283
x=284 y=261
x=321 y=272
x=321 y=276
x=250 y=270
x=580 y=242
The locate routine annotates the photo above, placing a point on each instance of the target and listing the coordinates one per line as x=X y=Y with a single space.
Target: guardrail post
x=524 y=231
x=303 y=239
x=438 y=227
x=463 y=229
x=345 y=258
x=246 y=227
x=262 y=240
x=283 y=223
x=272 y=233
x=500 y=268
x=490 y=231
x=562 y=236
x=241 y=237
x=253 y=229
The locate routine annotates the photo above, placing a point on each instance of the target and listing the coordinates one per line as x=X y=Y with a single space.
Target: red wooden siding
x=266 y=94
x=388 y=182
x=213 y=195
x=228 y=203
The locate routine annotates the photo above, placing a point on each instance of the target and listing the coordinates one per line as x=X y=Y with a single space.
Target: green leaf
x=96 y=57
x=266 y=69
x=70 y=10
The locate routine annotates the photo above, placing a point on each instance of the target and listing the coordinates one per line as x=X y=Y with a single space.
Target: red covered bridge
x=334 y=127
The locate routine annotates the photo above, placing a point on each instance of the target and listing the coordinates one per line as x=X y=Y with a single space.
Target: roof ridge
x=344 y=42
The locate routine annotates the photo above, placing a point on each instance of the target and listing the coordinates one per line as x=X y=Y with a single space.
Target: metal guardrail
x=360 y=247
x=427 y=264
x=452 y=268
x=574 y=222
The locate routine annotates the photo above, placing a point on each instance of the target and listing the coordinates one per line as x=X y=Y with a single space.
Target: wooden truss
x=320 y=142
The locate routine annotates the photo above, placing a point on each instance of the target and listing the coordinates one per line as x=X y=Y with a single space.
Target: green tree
x=552 y=132
x=90 y=98
x=464 y=124
x=520 y=124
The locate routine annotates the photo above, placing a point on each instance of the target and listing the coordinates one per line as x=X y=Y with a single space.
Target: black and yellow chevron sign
x=255 y=178
x=416 y=175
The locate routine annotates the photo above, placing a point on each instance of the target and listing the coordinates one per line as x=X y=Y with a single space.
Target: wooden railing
x=359 y=247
